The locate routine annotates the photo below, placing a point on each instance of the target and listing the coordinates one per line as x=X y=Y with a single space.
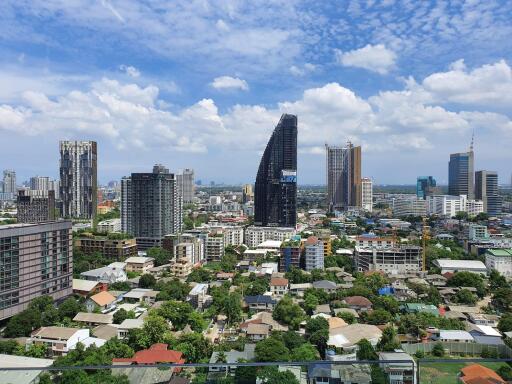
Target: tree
x=297 y=276
x=464 y=296
x=177 y=312
x=349 y=318
x=502 y=299
x=147 y=281
x=291 y=340
x=306 y=352
x=120 y=286
x=388 y=303
x=310 y=303
x=389 y=341
x=378 y=317
x=122 y=314
x=172 y=290
x=497 y=280
x=232 y=308
x=288 y=312
x=154 y=330
x=194 y=346
x=245 y=375
x=365 y=350
x=505 y=323
x=69 y=308
x=271 y=375
x=199 y=275
x=438 y=350
x=316 y=324
x=161 y=256
x=468 y=279
x=117 y=349
x=271 y=349
x=319 y=339
x=228 y=262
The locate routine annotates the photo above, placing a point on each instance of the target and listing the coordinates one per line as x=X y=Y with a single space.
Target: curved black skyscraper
x=275 y=194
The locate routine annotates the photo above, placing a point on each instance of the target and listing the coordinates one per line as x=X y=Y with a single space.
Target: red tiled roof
x=312 y=240
x=279 y=281
x=358 y=301
x=157 y=353
x=478 y=374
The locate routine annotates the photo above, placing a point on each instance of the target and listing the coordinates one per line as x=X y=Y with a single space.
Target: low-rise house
x=278 y=286
x=140 y=295
x=478 y=374
x=420 y=308
x=156 y=354
x=21 y=376
x=325 y=285
x=484 y=319
x=93 y=319
x=454 y=336
x=335 y=323
x=257 y=332
x=225 y=276
x=60 y=340
x=485 y=334
x=299 y=289
x=436 y=280
x=453 y=266
x=347 y=337
x=322 y=308
x=102 y=301
x=105 y=332
x=181 y=267
x=124 y=328
x=260 y=303
x=398 y=372
x=232 y=356
x=358 y=303
x=346 y=310
x=139 y=264
x=339 y=373
x=109 y=275
x=264 y=318
x=86 y=288
x=198 y=296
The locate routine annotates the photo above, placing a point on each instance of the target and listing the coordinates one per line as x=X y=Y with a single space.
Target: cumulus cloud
x=129 y=70
x=228 y=82
x=302 y=70
x=375 y=58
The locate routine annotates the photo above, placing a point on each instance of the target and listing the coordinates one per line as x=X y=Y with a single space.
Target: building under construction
x=392 y=261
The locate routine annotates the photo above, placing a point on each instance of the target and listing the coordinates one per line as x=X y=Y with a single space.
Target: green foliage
x=377 y=317
x=373 y=281
x=7 y=347
x=502 y=299
x=228 y=261
x=297 y=276
x=319 y=339
x=340 y=261
x=468 y=279
x=256 y=285
x=199 y=275
x=122 y=315
x=161 y=256
x=288 y=313
x=349 y=318
x=306 y=352
x=180 y=314
x=464 y=296
x=419 y=354
x=154 y=330
x=271 y=349
x=84 y=262
x=387 y=303
x=172 y=290
x=389 y=340
x=505 y=372
x=120 y=286
x=271 y=375
x=147 y=281
x=413 y=323
x=40 y=312
x=70 y=307
x=365 y=350
x=194 y=346
x=438 y=350
x=316 y=324
x=497 y=280
x=505 y=323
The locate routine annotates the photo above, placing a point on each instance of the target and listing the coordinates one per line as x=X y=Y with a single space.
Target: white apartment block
x=474 y=207
x=409 y=207
x=257 y=235
x=112 y=225
x=500 y=260
x=447 y=205
x=314 y=256
x=367 y=194
x=214 y=247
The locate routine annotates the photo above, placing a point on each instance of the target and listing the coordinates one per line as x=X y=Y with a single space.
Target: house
x=485 y=334
x=156 y=354
x=401 y=370
x=264 y=318
x=124 y=328
x=322 y=308
x=484 y=319
x=228 y=276
x=93 y=319
x=278 y=286
x=348 y=337
x=260 y=303
x=325 y=285
x=198 y=296
x=335 y=323
x=358 y=303
x=110 y=274
x=232 y=356
x=478 y=374
x=299 y=289
x=140 y=295
x=454 y=336
x=436 y=280
x=21 y=376
x=346 y=310
x=139 y=264
x=420 y=308
x=257 y=332
x=339 y=373
x=61 y=340
x=86 y=288
x=105 y=332
x=103 y=301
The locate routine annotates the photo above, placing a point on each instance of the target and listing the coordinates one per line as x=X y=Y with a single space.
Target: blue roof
x=487 y=340
x=263 y=299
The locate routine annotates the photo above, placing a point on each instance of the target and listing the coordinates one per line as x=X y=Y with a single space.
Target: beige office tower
x=247 y=193
x=37 y=260
x=343 y=177
x=367 y=194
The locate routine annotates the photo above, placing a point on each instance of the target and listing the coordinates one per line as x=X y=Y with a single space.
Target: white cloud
x=375 y=58
x=302 y=70
x=129 y=70
x=228 y=82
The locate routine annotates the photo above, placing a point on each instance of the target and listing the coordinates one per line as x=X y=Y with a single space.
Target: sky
x=202 y=84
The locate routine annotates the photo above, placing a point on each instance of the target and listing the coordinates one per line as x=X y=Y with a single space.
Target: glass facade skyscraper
x=461 y=179
x=343 y=177
x=486 y=189
x=425 y=185
x=275 y=194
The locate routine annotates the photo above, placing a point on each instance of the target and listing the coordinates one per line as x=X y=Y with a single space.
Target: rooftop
x=138 y=260
x=60 y=333
x=103 y=298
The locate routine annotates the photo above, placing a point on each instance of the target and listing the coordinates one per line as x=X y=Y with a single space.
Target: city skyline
x=406 y=91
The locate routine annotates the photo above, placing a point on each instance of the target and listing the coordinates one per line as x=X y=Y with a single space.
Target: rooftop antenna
x=472 y=141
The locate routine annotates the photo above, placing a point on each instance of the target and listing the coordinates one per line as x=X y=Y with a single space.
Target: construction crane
x=424 y=237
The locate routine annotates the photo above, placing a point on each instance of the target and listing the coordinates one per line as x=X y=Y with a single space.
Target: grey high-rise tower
x=486 y=189
x=186 y=184
x=275 y=193
x=78 y=178
x=343 y=177
x=151 y=206
x=461 y=174
x=9 y=181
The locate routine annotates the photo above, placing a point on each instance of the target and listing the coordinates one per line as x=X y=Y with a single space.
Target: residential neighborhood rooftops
x=84 y=285
x=157 y=353
x=478 y=374
x=279 y=281
x=263 y=299
x=97 y=318
x=460 y=264
x=324 y=284
x=103 y=298
x=57 y=333
x=138 y=260
x=21 y=376
x=500 y=252
x=358 y=301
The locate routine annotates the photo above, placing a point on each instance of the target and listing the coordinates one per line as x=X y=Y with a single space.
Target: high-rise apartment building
x=78 y=178
x=186 y=183
x=275 y=195
x=151 y=206
x=9 y=181
x=40 y=183
x=35 y=209
x=37 y=260
x=426 y=186
x=247 y=193
x=314 y=254
x=461 y=178
x=486 y=189
x=367 y=194
x=343 y=177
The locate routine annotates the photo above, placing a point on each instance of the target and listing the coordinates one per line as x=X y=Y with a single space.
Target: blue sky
x=201 y=84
